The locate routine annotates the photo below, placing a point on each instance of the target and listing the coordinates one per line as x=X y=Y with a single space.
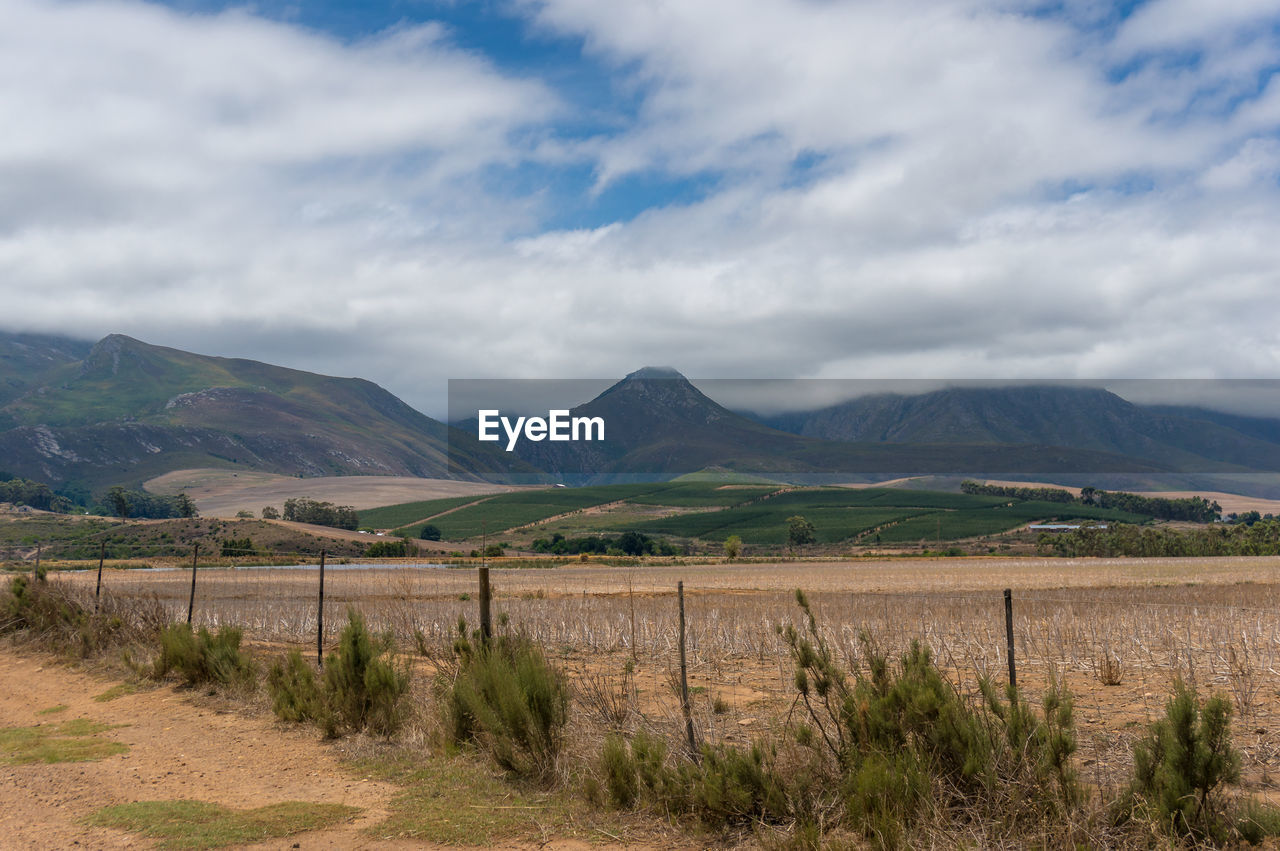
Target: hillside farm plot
x=766 y=524
x=896 y=497
x=395 y=516
x=518 y=509
x=938 y=526
x=698 y=494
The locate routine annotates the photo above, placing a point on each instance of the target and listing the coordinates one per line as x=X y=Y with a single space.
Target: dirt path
x=177 y=749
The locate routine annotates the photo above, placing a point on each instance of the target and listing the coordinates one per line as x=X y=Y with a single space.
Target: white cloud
x=986 y=196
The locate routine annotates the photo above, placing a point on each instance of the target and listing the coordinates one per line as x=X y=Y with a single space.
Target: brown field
x=1214 y=622
x=221 y=493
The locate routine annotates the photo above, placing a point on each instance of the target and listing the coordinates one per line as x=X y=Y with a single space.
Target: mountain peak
x=651 y=372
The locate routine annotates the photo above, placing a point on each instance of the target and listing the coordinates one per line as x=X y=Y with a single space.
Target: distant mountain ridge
x=129 y=410
x=661 y=424
x=1185 y=439
x=122 y=411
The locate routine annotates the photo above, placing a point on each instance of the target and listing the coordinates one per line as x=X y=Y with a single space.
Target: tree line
x=628 y=543
x=1195 y=509
x=1259 y=539
x=125 y=504
x=304 y=510
x=33 y=494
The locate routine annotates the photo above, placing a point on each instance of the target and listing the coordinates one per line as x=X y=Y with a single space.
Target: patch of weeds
x=456 y=800
x=198 y=824
x=52 y=710
x=71 y=741
x=1256 y=820
x=117 y=690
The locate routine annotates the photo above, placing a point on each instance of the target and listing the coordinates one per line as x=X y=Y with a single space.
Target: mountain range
x=122 y=411
x=1184 y=439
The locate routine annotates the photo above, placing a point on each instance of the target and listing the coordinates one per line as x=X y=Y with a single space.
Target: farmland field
x=759 y=514
x=1215 y=622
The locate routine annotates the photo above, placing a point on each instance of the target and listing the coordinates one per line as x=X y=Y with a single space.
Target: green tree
x=270 y=513
x=430 y=533
x=732 y=547
x=186 y=506
x=119 y=502
x=800 y=532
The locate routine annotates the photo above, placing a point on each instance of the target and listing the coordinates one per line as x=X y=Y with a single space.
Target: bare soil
x=221 y=493
x=179 y=747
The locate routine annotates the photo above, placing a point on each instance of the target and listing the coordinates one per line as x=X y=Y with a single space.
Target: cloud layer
x=884 y=188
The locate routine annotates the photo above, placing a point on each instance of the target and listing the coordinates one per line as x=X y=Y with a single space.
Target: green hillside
x=127 y=411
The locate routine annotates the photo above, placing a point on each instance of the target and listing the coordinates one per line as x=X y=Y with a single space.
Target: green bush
x=1256 y=821
x=201 y=658
x=508 y=698
x=1183 y=765
x=295 y=696
x=736 y=786
x=726 y=785
x=900 y=741
x=619 y=772
x=363 y=688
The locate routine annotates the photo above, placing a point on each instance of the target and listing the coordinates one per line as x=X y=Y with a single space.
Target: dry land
x=221 y=493
x=1215 y=622
x=1117 y=632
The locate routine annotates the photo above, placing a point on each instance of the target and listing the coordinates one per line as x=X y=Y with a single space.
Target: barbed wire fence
x=1117 y=648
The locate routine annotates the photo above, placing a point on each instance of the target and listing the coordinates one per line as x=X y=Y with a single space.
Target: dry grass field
x=221 y=493
x=1117 y=632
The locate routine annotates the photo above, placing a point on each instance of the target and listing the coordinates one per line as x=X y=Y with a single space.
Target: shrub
x=725 y=786
x=1183 y=765
x=509 y=699
x=295 y=696
x=900 y=741
x=387 y=549
x=233 y=547
x=363 y=688
x=200 y=658
x=735 y=786
x=62 y=619
x=619 y=772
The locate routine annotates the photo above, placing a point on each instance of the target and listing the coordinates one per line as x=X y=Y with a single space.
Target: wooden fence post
x=35 y=571
x=191 y=603
x=486 y=624
x=97 y=593
x=684 y=679
x=1008 y=631
x=320 y=618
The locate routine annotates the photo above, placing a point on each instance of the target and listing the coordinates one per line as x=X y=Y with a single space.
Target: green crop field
x=395 y=516
x=969 y=523
x=703 y=494
x=509 y=510
x=765 y=524
x=757 y=513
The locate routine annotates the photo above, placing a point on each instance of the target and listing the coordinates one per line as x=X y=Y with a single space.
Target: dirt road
x=177 y=749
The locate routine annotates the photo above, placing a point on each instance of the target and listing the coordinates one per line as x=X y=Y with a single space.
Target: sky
x=412 y=191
